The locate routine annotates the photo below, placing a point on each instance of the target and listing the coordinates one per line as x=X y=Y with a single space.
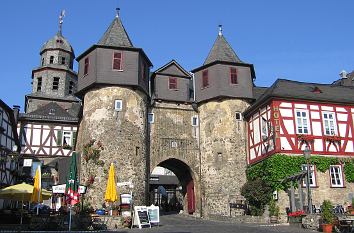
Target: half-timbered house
x=9 y=145
x=291 y=116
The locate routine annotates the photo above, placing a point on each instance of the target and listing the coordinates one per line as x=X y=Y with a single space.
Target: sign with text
x=154 y=214
x=141 y=217
x=27 y=162
x=61 y=188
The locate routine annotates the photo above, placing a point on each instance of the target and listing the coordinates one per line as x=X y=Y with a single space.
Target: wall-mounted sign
x=61 y=188
x=27 y=162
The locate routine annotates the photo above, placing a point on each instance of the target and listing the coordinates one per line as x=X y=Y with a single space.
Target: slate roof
x=51 y=111
x=258 y=91
x=171 y=63
x=289 y=89
x=221 y=51
x=116 y=35
x=57 y=42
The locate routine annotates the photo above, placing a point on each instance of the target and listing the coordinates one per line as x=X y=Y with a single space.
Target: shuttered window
x=172 y=83
x=117 y=61
x=205 y=79
x=87 y=63
x=233 y=75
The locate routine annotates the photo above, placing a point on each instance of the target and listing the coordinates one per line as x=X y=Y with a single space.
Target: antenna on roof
x=220 y=30
x=117 y=12
x=61 y=20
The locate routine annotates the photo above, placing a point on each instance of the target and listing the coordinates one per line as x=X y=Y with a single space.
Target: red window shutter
x=87 y=62
x=233 y=75
x=205 y=81
x=117 y=61
x=172 y=83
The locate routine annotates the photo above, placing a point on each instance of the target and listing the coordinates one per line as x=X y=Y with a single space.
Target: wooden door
x=190 y=197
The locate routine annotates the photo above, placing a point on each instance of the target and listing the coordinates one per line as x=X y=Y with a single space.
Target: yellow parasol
x=21 y=192
x=111 y=190
x=37 y=192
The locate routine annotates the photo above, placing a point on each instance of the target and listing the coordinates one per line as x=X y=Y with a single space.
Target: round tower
x=114 y=86
x=223 y=90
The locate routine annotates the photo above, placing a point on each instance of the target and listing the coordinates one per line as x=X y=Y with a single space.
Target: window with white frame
x=238 y=116
x=151 y=118
x=67 y=138
x=118 y=105
x=312 y=175
x=336 y=175
x=194 y=120
x=302 y=122
x=329 y=123
x=264 y=126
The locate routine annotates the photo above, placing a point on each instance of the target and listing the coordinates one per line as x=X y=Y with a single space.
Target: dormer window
x=233 y=75
x=51 y=59
x=117 y=61
x=86 y=67
x=205 y=79
x=172 y=83
x=51 y=111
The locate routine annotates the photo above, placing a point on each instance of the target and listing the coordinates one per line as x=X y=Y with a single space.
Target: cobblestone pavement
x=185 y=224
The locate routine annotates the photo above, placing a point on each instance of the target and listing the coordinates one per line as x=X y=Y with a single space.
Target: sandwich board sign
x=141 y=217
x=154 y=214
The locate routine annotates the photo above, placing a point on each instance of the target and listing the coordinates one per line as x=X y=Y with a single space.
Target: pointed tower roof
x=116 y=35
x=221 y=51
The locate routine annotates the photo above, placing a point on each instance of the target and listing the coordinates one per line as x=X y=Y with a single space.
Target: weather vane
x=61 y=20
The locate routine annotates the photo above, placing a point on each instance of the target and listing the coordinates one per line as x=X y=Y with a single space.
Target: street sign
x=61 y=188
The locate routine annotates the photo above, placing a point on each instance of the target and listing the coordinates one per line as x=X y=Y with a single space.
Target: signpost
x=141 y=217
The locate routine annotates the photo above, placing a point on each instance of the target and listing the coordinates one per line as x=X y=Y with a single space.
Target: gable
x=173 y=69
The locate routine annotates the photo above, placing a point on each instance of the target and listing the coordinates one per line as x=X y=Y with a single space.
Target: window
x=42 y=61
x=172 y=83
x=174 y=144
x=329 y=123
x=205 y=79
x=336 y=175
x=151 y=118
x=238 y=116
x=71 y=87
x=51 y=111
x=63 y=60
x=233 y=75
x=195 y=121
x=118 y=105
x=302 y=125
x=67 y=138
x=312 y=175
x=55 y=83
x=39 y=83
x=87 y=63
x=264 y=126
x=51 y=59
x=117 y=61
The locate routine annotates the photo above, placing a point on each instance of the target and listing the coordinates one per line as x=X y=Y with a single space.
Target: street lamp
x=307 y=155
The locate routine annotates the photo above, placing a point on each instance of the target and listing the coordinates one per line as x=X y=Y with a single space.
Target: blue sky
x=301 y=40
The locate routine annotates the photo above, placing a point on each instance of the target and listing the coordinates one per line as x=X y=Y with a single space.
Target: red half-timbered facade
x=288 y=126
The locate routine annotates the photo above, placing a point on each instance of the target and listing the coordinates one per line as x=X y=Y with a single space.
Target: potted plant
x=351 y=208
x=327 y=216
x=273 y=211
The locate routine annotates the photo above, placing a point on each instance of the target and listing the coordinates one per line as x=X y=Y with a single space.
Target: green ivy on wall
x=275 y=169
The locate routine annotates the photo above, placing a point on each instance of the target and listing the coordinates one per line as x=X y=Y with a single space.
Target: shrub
x=273 y=208
x=327 y=212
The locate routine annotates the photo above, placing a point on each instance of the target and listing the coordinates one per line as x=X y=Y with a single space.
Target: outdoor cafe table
x=346 y=222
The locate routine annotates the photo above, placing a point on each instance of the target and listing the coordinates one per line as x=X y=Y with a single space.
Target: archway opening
x=172 y=187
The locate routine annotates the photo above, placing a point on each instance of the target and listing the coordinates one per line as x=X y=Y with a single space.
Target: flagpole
x=70 y=218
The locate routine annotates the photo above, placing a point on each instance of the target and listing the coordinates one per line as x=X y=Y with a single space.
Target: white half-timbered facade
x=8 y=143
x=48 y=140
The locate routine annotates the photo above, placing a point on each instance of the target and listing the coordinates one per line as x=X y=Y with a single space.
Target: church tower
x=113 y=83
x=223 y=90
x=54 y=78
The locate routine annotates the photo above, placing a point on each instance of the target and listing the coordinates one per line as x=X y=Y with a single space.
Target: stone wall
x=123 y=136
x=223 y=154
x=172 y=136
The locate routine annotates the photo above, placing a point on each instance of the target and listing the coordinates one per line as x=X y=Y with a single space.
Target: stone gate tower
x=113 y=84
x=223 y=87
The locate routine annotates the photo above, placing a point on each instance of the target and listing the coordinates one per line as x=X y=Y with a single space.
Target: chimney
x=16 y=110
